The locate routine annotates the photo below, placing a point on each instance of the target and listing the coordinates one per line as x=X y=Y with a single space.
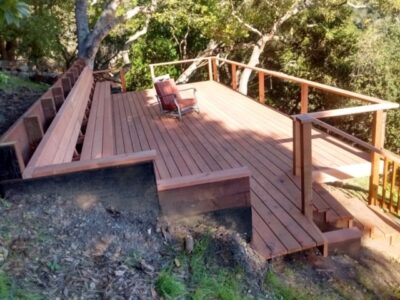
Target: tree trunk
x=254 y=60
x=188 y=73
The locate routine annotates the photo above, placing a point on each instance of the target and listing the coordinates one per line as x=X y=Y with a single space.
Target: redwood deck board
x=233 y=131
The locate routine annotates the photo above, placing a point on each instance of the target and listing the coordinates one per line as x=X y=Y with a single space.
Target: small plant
x=274 y=284
x=3 y=78
x=5 y=286
x=53 y=266
x=169 y=287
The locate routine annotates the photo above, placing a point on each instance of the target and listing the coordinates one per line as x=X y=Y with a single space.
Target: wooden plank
x=97 y=147
x=268 y=236
x=49 y=109
x=261 y=88
x=139 y=102
x=66 y=85
x=259 y=245
x=304 y=99
x=306 y=169
x=375 y=158
x=119 y=141
x=215 y=70
x=203 y=178
x=86 y=152
x=11 y=161
x=58 y=96
x=393 y=186
x=234 y=77
x=198 y=198
x=108 y=129
x=104 y=162
x=385 y=179
x=129 y=120
x=34 y=130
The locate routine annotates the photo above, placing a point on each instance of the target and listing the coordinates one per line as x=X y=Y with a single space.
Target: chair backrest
x=161 y=78
x=166 y=90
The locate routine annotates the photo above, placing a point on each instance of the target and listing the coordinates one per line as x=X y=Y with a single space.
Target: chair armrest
x=188 y=89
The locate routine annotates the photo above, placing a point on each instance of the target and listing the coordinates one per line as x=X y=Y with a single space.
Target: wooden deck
x=233 y=131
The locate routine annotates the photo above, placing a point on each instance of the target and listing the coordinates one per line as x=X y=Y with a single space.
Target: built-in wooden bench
x=69 y=129
x=59 y=142
x=20 y=141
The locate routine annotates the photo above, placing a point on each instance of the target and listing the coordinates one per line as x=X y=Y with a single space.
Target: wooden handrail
x=349 y=111
x=280 y=75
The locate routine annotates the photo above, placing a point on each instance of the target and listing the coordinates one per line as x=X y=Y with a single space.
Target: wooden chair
x=170 y=99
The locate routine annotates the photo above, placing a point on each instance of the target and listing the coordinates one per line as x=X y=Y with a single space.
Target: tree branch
x=245 y=24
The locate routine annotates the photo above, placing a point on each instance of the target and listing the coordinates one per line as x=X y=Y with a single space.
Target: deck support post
x=378 y=127
x=49 y=109
x=261 y=88
x=66 y=85
x=34 y=131
x=296 y=148
x=123 y=81
x=306 y=168
x=215 y=69
x=210 y=72
x=234 y=78
x=58 y=96
x=304 y=99
x=152 y=72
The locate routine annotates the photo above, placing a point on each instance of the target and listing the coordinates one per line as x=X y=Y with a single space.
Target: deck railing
x=303 y=125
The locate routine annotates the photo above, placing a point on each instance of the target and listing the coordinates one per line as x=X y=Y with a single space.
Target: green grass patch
x=204 y=279
x=11 y=83
x=8 y=290
x=276 y=286
x=169 y=287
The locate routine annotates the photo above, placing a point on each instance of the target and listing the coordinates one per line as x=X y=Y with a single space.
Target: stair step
x=347 y=240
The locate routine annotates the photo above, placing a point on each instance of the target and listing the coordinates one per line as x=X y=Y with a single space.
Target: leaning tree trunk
x=188 y=73
x=254 y=60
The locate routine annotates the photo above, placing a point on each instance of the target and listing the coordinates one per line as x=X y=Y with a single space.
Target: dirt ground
x=52 y=247
x=14 y=104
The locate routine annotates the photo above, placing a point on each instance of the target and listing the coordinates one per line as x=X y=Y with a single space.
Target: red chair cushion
x=165 y=90
x=189 y=102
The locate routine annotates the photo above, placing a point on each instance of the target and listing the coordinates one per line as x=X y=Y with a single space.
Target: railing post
x=377 y=140
x=304 y=98
x=296 y=148
x=152 y=72
x=261 y=88
x=215 y=69
x=234 y=81
x=306 y=168
x=123 y=81
x=210 y=72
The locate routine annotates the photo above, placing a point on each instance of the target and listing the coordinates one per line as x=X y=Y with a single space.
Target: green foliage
x=9 y=292
x=10 y=83
x=169 y=287
x=282 y=291
x=12 y=11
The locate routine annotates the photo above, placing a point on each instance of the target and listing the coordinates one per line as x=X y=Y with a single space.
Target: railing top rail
x=357 y=141
x=312 y=84
x=346 y=111
x=177 y=62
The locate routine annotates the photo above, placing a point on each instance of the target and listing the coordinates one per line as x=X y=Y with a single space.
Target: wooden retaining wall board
x=202 y=193
x=128 y=188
